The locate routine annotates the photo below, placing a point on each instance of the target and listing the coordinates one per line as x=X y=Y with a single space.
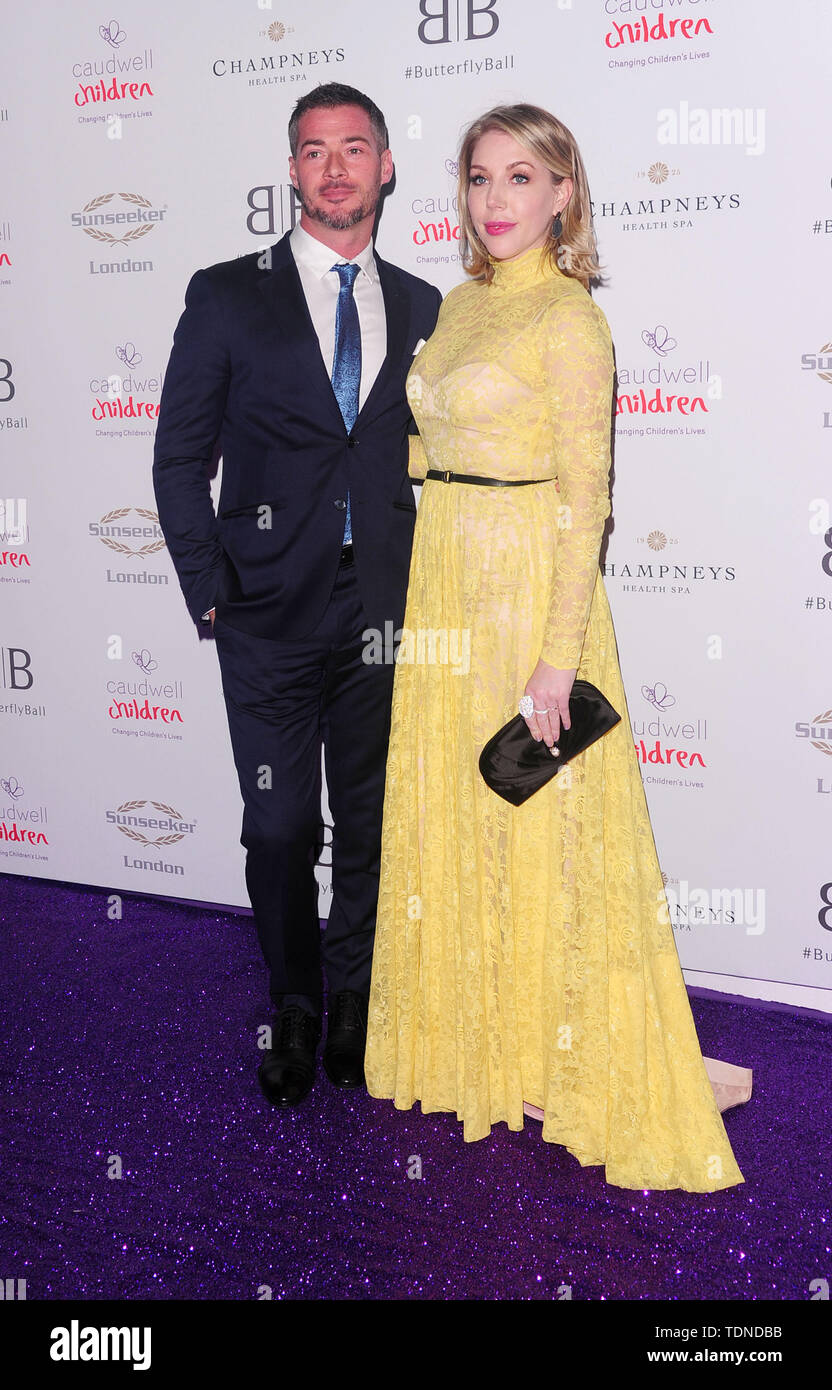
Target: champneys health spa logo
x=669 y=386
x=20 y=822
x=636 y=34
x=657 y=540
x=122 y=400
x=664 y=210
x=276 y=31
x=281 y=62
x=664 y=576
x=117 y=74
x=687 y=907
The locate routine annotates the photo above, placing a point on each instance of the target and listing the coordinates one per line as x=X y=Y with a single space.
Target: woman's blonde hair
x=574 y=252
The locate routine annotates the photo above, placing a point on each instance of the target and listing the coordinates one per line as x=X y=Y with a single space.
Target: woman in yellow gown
x=524 y=956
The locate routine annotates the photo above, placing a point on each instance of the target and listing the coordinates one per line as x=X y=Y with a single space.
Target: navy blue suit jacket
x=246 y=376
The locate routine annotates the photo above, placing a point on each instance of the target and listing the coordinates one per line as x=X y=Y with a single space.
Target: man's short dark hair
x=331 y=94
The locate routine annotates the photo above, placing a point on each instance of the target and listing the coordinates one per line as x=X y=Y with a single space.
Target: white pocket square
x=419 y=346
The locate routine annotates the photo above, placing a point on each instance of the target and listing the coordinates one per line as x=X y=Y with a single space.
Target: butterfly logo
x=111 y=33
x=145 y=661
x=11 y=787
x=452 y=167
x=657 y=695
x=128 y=355
x=658 y=340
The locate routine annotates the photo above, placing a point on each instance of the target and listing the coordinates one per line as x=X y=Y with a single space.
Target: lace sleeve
x=579 y=373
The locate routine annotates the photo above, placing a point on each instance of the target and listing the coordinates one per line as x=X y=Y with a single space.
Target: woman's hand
x=549 y=690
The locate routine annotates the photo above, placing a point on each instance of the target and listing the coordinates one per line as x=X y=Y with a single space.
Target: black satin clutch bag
x=514 y=765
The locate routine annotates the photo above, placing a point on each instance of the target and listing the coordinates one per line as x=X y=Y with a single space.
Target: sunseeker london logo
x=118 y=220
x=153 y=825
x=818 y=731
x=116 y=73
x=819 y=362
x=133 y=534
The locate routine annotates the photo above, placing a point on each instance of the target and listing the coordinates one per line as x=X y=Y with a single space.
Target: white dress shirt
x=321 y=286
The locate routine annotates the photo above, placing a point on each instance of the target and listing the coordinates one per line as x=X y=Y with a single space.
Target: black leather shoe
x=287 y=1071
x=346 y=1036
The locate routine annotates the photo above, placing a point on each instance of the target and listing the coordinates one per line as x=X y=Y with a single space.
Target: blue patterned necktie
x=346 y=362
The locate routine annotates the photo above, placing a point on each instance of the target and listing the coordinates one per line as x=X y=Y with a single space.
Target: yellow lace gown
x=524 y=956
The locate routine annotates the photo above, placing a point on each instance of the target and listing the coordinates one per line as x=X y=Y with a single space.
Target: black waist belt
x=444 y=475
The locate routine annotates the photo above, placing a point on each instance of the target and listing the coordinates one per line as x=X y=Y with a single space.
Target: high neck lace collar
x=523 y=271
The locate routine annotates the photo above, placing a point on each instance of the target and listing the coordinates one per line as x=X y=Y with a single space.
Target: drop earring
x=557 y=226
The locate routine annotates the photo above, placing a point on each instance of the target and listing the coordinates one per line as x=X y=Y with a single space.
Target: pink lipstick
x=497 y=228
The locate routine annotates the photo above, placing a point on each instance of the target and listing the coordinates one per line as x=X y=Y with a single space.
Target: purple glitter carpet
x=138 y=1039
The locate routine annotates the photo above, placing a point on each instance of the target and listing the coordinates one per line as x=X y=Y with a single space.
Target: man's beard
x=339 y=220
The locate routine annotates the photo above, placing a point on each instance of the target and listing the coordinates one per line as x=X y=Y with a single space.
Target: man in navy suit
x=292 y=362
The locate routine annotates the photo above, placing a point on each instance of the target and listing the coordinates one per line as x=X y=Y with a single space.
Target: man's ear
x=292 y=175
x=386 y=166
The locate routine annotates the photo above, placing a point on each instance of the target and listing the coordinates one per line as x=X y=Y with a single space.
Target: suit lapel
x=283 y=289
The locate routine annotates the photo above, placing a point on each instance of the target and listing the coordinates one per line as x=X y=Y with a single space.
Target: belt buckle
x=447 y=475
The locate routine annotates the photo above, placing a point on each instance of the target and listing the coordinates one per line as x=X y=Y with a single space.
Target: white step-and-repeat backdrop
x=142 y=141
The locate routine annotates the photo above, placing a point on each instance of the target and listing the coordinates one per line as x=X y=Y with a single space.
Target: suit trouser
x=285 y=699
